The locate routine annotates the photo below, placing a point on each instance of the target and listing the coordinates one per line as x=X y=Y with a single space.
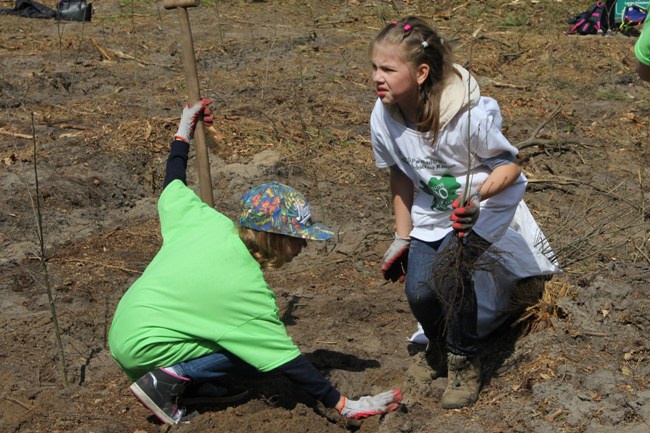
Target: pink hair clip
x=407 y=27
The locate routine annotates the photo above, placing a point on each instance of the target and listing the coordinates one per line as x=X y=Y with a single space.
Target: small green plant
x=611 y=96
x=514 y=20
x=383 y=14
x=129 y=7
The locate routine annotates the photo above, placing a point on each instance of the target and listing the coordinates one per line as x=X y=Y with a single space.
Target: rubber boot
x=464 y=381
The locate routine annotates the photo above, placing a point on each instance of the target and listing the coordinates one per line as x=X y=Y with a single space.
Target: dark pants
x=440 y=289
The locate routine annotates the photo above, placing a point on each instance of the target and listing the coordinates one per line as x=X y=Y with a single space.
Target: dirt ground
x=291 y=84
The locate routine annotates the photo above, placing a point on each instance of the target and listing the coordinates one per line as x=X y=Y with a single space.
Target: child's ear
x=422 y=73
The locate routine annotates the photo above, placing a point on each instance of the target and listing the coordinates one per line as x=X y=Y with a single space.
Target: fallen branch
x=101 y=50
x=555 y=181
x=18 y=402
x=534 y=141
x=558 y=180
x=511 y=86
x=530 y=142
x=591 y=333
x=645 y=256
x=70 y=126
x=14 y=134
x=334 y=22
x=105 y=265
x=123 y=56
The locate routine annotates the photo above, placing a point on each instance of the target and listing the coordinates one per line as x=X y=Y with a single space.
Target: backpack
x=590 y=22
x=633 y=15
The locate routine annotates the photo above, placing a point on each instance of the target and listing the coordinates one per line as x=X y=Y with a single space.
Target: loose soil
x=290 y=80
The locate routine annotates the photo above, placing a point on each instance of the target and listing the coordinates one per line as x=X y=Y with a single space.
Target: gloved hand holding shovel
x=191 y=115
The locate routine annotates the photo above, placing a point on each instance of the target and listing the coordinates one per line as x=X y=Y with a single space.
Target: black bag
x=74 y=10
x=590 y=22
x=29 y=9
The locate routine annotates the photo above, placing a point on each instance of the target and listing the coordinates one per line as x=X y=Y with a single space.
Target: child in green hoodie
x=202 y=309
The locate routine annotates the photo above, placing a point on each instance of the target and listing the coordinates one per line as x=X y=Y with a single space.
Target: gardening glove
x=463 y=218
x=395 y=261
x=371 y=405
x=198 y=111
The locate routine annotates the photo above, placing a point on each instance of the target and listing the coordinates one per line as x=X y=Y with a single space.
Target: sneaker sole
x=149 y=404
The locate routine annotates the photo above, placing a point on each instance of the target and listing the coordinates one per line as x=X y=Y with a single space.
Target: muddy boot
x=464 y=381
x=432 y=363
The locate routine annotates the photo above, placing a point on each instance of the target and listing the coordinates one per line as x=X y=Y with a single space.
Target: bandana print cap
x=277 y=208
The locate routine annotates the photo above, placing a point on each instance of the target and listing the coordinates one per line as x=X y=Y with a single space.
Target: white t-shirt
x=439 y=172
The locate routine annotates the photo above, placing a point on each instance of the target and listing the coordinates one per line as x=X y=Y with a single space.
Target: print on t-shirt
x=443 y=189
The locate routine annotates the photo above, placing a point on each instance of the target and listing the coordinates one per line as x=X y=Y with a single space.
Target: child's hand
x=190 y=116
x=395 y=261
x=371 y=405
x=464 y=218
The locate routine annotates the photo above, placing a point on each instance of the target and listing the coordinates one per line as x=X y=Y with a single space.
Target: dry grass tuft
x=537 y=300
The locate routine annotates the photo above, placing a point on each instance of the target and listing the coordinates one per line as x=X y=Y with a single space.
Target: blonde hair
x=420 y=44
x=271 y=250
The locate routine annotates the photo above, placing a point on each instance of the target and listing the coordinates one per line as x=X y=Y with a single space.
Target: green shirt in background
x=202 y=292
x=642 y=46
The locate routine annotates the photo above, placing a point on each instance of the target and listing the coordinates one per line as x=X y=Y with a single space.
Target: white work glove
x=463 y=218
x=395 y=261
x=371 y=405
x=190 y=116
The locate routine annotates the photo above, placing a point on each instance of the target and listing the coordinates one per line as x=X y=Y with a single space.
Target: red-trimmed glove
x=464 y=218
x=190 y=116
x=371 y=405
x=395 y=261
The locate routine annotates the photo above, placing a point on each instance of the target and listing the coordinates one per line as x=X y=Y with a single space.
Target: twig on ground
x=123 y=56
x=101 y=50
x=333 y=22
x=14 y=134
x=18 y=402
x=489 y=38
x=645 y=256
x=559 y=180
x=70 y=126
x=105 y=265
x=532 y=140
x=591 y=333
x=512 y=86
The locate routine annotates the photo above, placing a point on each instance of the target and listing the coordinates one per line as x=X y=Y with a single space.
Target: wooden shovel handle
x=192 y=80
x=173 y=4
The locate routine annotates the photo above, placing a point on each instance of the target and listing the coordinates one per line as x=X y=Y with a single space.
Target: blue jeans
x=214 y=366
x=440 y=290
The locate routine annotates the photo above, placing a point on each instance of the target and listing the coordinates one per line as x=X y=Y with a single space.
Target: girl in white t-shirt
x=456 y=187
